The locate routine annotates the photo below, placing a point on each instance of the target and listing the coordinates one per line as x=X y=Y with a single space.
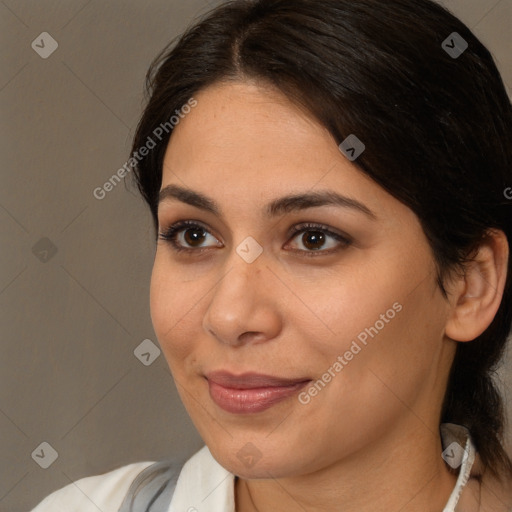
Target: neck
x=404 y=473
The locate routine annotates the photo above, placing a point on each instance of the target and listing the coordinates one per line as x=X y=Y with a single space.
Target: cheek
x=383 y=319
x=348 y=305
x=172 y=309
x=389 y=350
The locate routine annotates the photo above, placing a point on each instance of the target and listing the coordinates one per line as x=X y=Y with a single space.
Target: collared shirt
x=205 y=486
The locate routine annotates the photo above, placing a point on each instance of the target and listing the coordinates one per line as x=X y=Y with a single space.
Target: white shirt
x=203 y=486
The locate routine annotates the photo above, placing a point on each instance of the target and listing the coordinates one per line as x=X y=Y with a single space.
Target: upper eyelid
x=190 y=223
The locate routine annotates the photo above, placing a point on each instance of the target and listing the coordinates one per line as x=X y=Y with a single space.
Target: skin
x=374 y=426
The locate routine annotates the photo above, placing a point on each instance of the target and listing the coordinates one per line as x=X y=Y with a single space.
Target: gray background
x=70 y=324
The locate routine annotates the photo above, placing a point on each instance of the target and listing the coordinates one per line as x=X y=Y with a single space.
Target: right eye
x=187 y=236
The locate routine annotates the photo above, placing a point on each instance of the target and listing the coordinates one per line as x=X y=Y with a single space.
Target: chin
x=255 y=460
x=259 y=470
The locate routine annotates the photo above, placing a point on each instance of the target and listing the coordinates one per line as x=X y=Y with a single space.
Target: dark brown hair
x=437 y=131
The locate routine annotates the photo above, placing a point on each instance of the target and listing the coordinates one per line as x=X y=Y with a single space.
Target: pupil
x=313 y=239
x=194 y=236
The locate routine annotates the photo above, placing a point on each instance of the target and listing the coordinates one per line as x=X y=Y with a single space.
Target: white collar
x=205 y=486
x=451 y=433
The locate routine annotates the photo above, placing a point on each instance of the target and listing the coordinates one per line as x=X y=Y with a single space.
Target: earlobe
x=477 y=295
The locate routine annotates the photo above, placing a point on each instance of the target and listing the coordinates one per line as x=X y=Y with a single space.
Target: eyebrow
x=280 y=206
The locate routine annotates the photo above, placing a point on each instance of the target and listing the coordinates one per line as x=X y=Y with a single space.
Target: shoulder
x=103 y=492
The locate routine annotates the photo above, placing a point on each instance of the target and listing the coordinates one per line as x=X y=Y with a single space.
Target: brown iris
x=194 y=236
x=313 y=239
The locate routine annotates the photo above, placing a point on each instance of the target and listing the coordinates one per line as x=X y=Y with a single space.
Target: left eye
x=315 y=238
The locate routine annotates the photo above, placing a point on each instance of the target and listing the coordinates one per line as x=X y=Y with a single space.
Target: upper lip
x=250 y=380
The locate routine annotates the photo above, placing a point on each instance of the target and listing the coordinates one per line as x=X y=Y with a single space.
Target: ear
x=476 y=296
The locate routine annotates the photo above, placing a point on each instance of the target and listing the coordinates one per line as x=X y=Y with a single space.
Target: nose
x=243 y=306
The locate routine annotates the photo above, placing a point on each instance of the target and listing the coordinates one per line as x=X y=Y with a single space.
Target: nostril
x=249 y=335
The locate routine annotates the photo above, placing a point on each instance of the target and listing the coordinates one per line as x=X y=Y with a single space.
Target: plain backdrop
x=75 y=270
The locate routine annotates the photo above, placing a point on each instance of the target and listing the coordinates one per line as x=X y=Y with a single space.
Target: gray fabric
x=152 y=489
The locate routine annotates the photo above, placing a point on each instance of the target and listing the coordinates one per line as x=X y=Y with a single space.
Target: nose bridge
x=245 y=267
x=239 y=287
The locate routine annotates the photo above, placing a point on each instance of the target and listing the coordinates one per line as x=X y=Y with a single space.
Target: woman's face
x=343 y=318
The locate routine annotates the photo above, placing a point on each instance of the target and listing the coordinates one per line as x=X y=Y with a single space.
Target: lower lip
x=246 y=401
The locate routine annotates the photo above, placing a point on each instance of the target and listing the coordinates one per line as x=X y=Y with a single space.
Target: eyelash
x=170 y=234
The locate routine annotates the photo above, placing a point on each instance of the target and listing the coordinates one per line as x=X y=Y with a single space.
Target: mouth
x=250 y=392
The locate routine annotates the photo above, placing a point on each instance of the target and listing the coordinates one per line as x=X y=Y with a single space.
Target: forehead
x=244 y=120
x=241 y=129
x=244 y=143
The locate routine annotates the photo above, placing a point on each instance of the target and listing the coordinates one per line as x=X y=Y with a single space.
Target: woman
x=332 y=286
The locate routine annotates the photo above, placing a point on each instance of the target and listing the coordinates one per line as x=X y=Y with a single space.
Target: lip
x=250 y=392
